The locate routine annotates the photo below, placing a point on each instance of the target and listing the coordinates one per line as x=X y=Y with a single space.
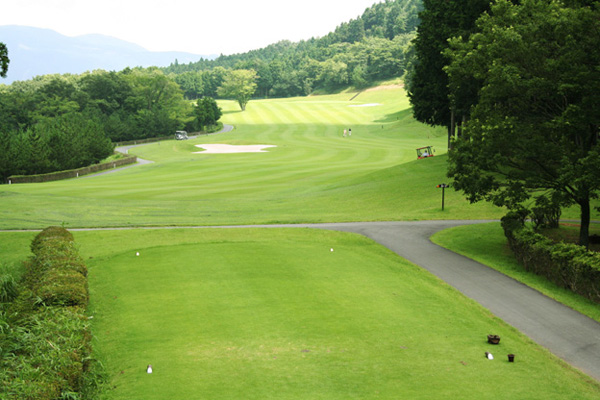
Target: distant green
x=313 y=175
x=211 y=308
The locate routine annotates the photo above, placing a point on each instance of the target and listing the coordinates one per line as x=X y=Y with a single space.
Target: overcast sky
x=196 y=26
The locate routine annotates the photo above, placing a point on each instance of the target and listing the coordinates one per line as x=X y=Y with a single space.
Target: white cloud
x=201 y=27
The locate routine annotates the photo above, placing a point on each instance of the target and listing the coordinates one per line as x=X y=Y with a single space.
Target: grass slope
x=314 y=174
x=273 y=313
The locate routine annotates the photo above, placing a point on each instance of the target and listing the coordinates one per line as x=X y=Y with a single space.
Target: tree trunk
x=451 y=129
x=584 y=230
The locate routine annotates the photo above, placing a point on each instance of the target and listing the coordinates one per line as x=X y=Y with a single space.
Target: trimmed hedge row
x=57 y=274
x=75 y=173
x=45 y=346
x=567 y=265
x=72 y=173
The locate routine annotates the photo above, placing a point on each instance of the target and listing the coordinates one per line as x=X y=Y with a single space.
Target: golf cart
x=424 y=152
x=181 y=135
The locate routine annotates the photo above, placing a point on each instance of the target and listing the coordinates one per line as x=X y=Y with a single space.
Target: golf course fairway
x=282 y=313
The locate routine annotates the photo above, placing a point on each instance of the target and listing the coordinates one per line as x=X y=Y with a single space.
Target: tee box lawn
x=297 y=313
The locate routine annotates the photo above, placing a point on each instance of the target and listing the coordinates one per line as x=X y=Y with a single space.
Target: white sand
x=228 y=148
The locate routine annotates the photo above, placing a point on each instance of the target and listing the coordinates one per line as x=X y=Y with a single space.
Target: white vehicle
x=181 y=135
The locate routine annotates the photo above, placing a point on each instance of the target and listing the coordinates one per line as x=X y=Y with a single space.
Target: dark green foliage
x=546 y=213
x=535 y=126
x=428 y=86
x=58 y=123
x=372 y=47
x=567 y=265
x=207 y=113
x=4 y=60
x=45 y=339
x=8 y=288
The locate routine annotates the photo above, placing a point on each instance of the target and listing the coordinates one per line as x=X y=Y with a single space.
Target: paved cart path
x=568 y=334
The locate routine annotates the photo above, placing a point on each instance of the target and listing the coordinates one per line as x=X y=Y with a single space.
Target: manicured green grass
x=487 y=244
x=274 y=313
x=313 y=175
x=14 y=248
x=211 y=309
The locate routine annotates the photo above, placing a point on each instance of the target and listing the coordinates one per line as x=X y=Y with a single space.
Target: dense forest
x=374 y=46
x=58 y=122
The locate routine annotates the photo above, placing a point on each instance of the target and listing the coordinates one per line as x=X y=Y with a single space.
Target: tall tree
x=4 y=60
x=207 y=112
x=428 y=87
x=240 y=85
x=535 y=128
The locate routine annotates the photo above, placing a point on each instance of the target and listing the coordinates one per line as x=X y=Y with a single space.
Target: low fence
x=72 y=173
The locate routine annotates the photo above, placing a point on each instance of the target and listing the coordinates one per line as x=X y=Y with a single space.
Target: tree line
x=374 y=46
x=517 y=84
x=58 y=122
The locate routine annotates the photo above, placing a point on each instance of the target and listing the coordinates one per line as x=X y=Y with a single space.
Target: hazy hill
x=35 y=51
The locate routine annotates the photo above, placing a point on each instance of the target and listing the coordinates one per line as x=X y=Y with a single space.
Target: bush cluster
x=45 y=339
x=567 y=265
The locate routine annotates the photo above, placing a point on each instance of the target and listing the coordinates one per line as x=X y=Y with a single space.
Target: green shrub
x=567 y=265
x=49 y=348
x=45 y=340
x=546 y=213
x=52 y=232
x=63 y=288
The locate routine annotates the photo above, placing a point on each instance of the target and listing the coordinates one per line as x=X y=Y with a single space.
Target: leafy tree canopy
x=3 y=60
x=534 y=129
x=240 y=85
x=376 y=44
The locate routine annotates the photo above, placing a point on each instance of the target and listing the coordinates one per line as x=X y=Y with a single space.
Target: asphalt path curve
x=566 y=333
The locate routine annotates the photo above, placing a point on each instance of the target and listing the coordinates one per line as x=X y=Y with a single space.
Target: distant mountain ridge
x=37 y=51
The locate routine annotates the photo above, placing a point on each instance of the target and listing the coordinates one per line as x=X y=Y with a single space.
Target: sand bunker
x=365 y=105
x=228 y=148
